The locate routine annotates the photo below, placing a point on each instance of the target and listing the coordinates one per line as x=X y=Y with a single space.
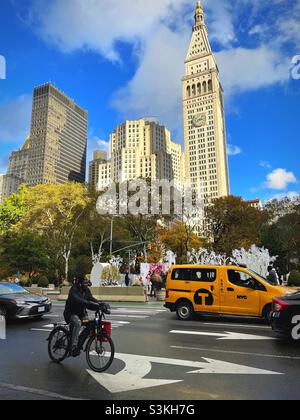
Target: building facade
x=99 y=171
x=256 y=204
x=204 y=119
x=141 y=149
x=9 y=184
x=58 y=138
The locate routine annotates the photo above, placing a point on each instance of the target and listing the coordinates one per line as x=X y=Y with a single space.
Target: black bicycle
x=95 y=340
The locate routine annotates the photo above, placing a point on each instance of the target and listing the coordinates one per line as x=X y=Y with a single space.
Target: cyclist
x=79 y=300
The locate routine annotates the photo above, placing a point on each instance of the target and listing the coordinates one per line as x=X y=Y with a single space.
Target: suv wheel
x=185 y=311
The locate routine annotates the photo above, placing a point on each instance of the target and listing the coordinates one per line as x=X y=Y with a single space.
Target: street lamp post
x=111 y=235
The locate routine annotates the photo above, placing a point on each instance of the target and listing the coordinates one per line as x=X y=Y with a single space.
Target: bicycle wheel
x=100 y=354
x=59 y=344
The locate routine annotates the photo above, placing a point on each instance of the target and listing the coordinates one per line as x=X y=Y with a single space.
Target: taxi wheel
x=185 y=311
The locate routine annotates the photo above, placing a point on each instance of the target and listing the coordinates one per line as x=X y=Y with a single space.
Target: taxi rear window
x=194 y=274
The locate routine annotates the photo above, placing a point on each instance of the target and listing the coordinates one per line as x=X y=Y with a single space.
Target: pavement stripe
x=213 y=324
x=40 y=330
x=130 y=316
x=241 y=353
x=38 y=392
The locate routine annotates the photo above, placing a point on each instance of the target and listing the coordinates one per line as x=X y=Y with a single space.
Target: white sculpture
x=257 y=259
x=170 y=258
x=206 y=257
x=96 y=273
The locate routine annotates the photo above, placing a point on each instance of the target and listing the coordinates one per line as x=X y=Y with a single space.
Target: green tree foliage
x=294 y=278
x=232 y=224
x=55 y=212
x=26 y=252
x=281 y=232
x=12 y=210
x=180 y=240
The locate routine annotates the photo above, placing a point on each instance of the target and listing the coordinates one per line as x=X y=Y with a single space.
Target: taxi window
x=239 y=278
x=181 y=274
x=204 y=275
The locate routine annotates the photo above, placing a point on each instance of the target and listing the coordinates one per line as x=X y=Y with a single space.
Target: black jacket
x=80 y=299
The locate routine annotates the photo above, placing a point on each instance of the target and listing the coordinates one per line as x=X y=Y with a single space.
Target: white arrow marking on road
x=137 y=367
x=225 y=335
x=131 y=377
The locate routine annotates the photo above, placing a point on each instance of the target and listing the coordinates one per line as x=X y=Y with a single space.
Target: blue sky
x=125 y=60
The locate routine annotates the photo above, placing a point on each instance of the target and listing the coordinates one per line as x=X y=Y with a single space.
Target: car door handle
x=230 y=289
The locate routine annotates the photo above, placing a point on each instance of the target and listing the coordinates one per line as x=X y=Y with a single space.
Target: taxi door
x=205 y=289
x=239 y=294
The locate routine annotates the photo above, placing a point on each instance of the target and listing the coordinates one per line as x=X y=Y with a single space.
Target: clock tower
x=204 y=117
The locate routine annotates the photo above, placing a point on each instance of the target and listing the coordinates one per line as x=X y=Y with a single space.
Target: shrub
x=294 y=278
x=43 y=282
x=34 y=280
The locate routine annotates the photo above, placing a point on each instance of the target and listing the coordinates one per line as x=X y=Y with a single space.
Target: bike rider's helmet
x=81 y=281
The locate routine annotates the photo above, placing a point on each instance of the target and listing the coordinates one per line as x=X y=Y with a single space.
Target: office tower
x=144 y=149
x=58 y=138
x=204 y=118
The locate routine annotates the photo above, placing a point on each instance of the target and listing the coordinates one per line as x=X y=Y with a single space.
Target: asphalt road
x=158 y=357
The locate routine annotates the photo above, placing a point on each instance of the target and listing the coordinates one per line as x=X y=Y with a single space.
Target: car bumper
x=281 y=324
x=170 y=306
x=32 y=311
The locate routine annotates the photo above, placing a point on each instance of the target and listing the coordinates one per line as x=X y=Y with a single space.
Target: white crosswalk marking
x=120 y=317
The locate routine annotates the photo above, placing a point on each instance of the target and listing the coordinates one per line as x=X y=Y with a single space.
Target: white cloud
x=15 y=118
x=233 y=150
x=155 y=89
x=265 y=164
x=280 y=179
x=98 y=24
x=249 y=69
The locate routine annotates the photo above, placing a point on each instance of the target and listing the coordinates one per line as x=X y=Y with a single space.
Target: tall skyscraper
x=140 y=149
x=204 y=118
x=58 y=138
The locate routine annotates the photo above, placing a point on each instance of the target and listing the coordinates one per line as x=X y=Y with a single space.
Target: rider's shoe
x=75 y=352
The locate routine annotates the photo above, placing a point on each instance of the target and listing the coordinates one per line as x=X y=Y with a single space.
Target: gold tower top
x=198 y=8
x=199 y=14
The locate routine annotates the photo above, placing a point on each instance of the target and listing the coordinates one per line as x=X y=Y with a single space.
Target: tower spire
x=199 y=14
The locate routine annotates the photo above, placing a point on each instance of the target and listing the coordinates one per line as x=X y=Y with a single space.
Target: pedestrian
x=127 y=279
x=280 y=276
x=273 y=276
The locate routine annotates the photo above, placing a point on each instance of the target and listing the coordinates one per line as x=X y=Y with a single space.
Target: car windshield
x=8 y=289
x=260 y=277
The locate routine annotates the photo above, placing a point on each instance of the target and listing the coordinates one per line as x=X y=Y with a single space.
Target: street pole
x=111 y=235
x=129 y=252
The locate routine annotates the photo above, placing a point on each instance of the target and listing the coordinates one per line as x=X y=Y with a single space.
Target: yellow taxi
x=227 y=290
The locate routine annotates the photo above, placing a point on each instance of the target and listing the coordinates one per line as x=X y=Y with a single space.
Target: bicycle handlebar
x=104 y=308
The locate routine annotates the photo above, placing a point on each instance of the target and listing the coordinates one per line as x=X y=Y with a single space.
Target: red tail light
x=167 y=294
x=279 y=305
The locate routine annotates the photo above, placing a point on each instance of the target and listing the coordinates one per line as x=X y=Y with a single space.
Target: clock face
x=199 y=120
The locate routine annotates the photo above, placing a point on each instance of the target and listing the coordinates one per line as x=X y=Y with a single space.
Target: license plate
x=41 y=309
